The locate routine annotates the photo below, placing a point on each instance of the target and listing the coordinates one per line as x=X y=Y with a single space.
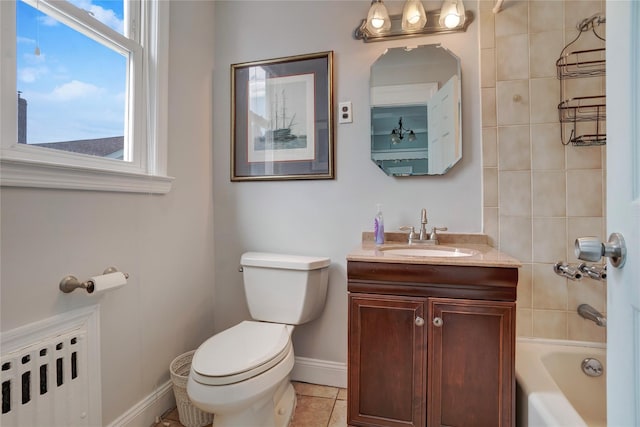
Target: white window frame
x=22 y=165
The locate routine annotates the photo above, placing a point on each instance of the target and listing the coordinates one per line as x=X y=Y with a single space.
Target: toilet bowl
x=241 y=375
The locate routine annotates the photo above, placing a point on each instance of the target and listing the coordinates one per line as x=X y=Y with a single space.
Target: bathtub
x=552 y=389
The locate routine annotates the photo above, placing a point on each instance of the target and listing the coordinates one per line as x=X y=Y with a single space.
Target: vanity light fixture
x=414 y=21
x=398 y=134
x=452 y=14
x=378 y=20
x=414 y=16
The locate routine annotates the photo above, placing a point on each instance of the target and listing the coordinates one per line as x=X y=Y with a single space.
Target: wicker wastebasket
x=190 y=416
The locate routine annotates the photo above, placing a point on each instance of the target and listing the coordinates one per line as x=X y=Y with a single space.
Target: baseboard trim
x=317 y=371
x=144 y=413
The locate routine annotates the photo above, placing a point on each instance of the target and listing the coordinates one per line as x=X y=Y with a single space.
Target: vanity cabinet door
x=387 y=360
x=471 y=353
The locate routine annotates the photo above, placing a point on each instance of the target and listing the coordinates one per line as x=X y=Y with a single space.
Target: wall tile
x=544 y=100
x=514 y=147
x=580 y=329
x=488 y=106
x=488 y=68
x=549 y=193
x=566 y=195
x=587 y=291
x=515 y=193
x=490 y=187
x=550 y=324
x=489 y=147
x=487 y=29
x=547 y=152
x=525 y=286
x=513 y=19
x=549 y=289
x=515 y=237
x=584 y=157
x=512 y=57
x=584 y=193
x=545 y=15
x=512 y=102
x=524 y=322
x=544 y=50
x=549 y=245
x=577 y=10
x=490 y=225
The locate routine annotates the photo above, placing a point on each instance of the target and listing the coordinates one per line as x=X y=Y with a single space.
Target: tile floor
x=318 y=406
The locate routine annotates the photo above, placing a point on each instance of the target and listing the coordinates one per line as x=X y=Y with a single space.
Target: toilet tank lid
x=290 y=262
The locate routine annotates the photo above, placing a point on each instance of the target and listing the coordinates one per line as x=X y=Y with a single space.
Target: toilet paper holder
x=71 y=283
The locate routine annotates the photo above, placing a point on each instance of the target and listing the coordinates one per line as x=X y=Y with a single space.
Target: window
x=82 y=94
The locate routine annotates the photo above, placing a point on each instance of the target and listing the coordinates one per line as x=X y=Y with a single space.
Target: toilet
x=241 y=375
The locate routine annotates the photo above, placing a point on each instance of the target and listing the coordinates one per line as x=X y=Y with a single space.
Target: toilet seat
x=241 y=352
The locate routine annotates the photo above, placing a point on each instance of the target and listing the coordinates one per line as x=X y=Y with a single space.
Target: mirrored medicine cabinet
x=415 y=99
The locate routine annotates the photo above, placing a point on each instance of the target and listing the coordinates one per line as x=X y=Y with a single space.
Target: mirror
x=415 y=103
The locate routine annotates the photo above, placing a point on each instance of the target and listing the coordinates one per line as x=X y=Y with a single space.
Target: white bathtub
x=551 y=388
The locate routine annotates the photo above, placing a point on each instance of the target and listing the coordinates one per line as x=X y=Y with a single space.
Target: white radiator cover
x=51 y=372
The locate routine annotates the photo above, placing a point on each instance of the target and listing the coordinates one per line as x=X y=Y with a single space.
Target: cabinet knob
x=419 y=321
x=437 y=321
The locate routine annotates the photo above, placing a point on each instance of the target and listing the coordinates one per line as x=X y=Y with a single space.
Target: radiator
x=47 y=382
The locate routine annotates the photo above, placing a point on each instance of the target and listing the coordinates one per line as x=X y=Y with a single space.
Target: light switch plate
x=345 y=114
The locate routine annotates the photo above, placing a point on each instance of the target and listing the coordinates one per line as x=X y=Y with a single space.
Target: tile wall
x=538 y=194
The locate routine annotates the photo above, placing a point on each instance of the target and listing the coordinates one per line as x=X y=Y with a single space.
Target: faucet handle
x=434 y=234
x=412 y=232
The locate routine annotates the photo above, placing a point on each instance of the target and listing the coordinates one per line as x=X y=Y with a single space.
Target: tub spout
x=590 y=313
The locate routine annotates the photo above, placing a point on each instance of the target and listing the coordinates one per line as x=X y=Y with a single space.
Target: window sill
x=21 y=173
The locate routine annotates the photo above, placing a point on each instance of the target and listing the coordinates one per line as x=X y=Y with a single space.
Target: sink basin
x=437 y=251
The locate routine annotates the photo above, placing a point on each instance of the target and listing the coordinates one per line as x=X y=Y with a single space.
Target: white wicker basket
x=190 y=416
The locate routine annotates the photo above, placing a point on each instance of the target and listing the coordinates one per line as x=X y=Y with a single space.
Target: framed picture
x=281 y=118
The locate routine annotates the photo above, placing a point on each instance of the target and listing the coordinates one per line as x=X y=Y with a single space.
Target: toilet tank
x=282 y=288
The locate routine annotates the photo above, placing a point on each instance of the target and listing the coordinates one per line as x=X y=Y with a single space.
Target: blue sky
x=75 y=88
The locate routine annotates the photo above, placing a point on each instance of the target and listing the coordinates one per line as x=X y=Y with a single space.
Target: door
x=471 y=363
x=387 y=340
x=623 y=211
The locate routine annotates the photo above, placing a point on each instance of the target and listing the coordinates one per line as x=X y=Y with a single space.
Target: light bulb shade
x=452 y=14
x=378 y=20
x=414 y=17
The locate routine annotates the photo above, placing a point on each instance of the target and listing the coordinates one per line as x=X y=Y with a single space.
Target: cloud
x=31 y=74
x=25 y=40
x=75 y=90
x=47 y=21
x=106 y=16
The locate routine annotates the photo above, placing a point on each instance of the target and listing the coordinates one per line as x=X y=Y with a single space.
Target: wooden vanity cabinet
x=431 y=345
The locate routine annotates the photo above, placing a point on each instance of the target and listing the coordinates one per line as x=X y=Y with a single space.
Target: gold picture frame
x=282 y=118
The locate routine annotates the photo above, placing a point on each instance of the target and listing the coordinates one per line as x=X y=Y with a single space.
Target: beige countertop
x=484 y=255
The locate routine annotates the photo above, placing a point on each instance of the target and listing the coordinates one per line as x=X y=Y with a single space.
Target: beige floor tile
x=339 y=414
x=317 y=406
x=312 y=412
x=306 y=389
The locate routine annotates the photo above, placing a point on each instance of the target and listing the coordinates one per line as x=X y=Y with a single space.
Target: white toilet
x=242 y=374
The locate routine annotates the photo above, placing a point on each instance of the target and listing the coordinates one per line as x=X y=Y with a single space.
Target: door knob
x=592 y=249
x=437 y=321
x=419 y=321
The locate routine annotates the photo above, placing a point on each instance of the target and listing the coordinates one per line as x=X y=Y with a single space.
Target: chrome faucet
x=423 y=224
x=590 y=313
x=424 y=236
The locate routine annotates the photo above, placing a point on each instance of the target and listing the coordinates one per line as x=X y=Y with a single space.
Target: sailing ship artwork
x=281 y=119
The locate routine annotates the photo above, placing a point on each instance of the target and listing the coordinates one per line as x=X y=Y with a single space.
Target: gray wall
x=327 y=217
x=164 y=242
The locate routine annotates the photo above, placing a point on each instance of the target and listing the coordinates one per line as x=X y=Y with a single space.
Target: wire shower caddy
x=572 y=111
